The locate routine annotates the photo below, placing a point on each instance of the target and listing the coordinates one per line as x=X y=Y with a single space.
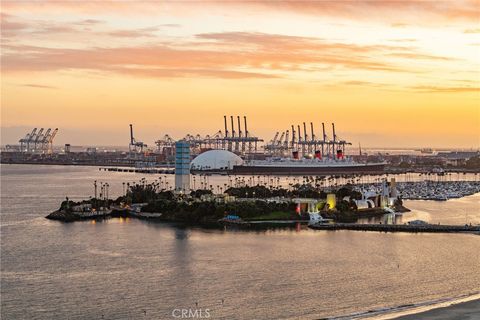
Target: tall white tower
x=182 y=166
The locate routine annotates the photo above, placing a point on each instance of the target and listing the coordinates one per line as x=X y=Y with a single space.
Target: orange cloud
x=223 y=55
x=195 y=72
x=285 y=42
x=381 y=10
x=9 y=27
x=407 y=10
x=12 y=26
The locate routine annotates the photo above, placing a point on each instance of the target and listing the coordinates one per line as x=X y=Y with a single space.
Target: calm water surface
x=120 y=268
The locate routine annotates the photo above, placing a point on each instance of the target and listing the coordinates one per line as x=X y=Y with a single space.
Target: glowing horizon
x=391 y=74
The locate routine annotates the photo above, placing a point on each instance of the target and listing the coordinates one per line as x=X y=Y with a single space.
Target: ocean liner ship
x=315 y=166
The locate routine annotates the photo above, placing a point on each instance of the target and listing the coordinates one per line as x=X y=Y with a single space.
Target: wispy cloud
x=399 y=25
x=280 y=41
x=39 y=86
x=362 y=83
x=425 y=12
x=147 y=61
x=134 y=33
x=403 y=40
x=440 y=89
x=408 y=10
x=291 y=52
x=9 y=26
x=89 y=22
x=472 y=30
x=171 y=25
x=192 y=72
x=419 y=56
x=51 y=28
x=13 y=26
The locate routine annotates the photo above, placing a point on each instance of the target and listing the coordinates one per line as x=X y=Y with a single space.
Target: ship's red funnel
x=340 y=154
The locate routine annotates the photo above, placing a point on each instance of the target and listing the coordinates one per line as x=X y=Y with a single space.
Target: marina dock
x=431 y=228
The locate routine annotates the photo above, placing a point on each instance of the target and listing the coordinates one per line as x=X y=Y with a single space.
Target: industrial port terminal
x=295 y=150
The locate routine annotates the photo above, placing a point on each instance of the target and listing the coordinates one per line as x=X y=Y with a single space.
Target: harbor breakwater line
x=430 y=228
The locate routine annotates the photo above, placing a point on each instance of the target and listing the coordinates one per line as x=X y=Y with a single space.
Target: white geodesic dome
x=216 y=160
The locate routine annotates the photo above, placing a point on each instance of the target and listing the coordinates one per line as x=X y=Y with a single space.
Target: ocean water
x=132 y=269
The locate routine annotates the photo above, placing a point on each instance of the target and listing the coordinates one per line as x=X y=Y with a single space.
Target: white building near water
x=383 y=197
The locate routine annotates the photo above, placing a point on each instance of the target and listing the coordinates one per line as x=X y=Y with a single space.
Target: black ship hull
x=377 y=168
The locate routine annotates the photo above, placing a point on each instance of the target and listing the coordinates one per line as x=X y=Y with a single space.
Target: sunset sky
x=388 y=73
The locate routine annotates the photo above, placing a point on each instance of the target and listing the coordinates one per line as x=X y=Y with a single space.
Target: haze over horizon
x=391 y=74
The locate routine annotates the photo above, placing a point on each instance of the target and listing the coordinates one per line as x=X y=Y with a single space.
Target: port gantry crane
x=238 y=141
x=166 y=142
x=279 y=143
x=24 y=141
x=307 y=144
x=324 y=141
x=135 y=146
x=337 y=141
x=279 y=146
x=242 y=141
x=31 y=140
x=38 y=141
x=286 y=141
x=272 y=144
x=197 y=142
x=214 y=141
x=48 y=144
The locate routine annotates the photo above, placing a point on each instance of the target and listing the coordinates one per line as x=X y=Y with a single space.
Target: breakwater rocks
x=71 y=216
x=62 y=215
x=432 y=228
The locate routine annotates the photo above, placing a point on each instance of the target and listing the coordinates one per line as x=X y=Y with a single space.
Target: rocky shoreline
x=67 y=216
